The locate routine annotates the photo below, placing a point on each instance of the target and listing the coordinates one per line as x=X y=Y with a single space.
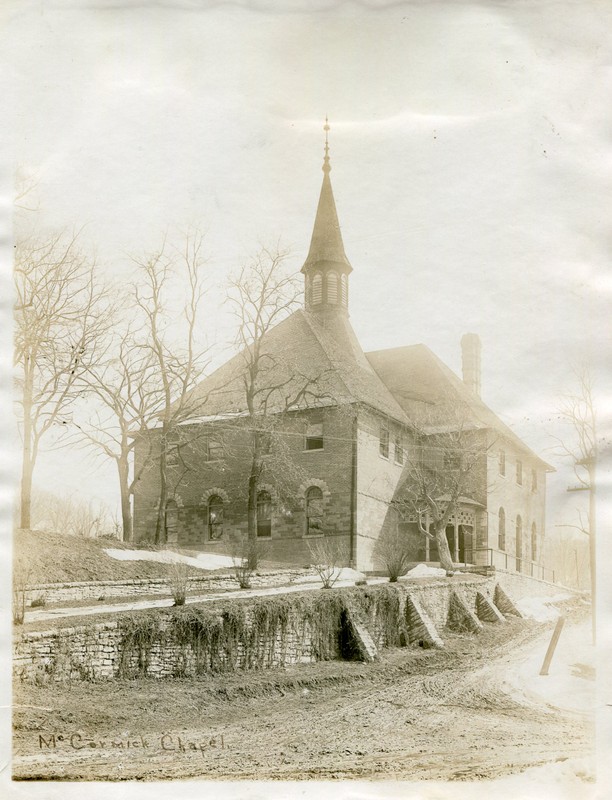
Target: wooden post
x=551 y=647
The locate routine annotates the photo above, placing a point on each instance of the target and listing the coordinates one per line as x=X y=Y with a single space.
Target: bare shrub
x=326 y=555
x=240 y=551
x=21 y=584
x=40 y=601
x=392 y=553
x=178 y=579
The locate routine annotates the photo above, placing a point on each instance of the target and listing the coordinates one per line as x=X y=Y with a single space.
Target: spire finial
x=326 y=164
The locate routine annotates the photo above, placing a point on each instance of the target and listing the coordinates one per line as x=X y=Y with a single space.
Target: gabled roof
x=420 y=381
x=320 y=348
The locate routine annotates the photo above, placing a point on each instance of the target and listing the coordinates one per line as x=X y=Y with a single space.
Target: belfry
x=326 y=268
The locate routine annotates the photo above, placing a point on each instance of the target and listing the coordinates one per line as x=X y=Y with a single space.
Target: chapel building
x=336 y=460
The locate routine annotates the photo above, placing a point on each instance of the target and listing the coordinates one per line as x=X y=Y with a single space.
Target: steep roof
x=419 y=380
x=318 y=348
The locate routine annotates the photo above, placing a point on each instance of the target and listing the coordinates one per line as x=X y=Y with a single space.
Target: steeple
x=326 y=268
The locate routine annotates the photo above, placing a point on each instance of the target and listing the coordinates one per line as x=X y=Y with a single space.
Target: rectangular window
x=519 y=473
x=502 y=463
x=534 y=481
x=314 y=436
x=383 y=446
x=399 y=450
x=213 y=450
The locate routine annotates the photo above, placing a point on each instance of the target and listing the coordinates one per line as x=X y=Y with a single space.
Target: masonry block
x=486 y=611
x=421 y=628
x=461 y=618
x=504 y=603
x=361 y=634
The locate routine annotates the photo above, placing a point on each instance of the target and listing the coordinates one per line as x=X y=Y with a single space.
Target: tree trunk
x=126 y=509
x=28 y=456
x=252 y=518
x=27 y=469
x=446 y=561
x=160 y=524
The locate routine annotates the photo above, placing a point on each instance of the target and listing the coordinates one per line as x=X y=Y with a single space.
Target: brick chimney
x=470 y=361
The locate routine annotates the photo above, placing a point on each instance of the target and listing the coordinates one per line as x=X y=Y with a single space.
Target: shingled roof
x=419 y=380
x=320 y=348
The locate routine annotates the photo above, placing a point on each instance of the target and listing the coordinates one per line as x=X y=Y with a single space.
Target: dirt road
x=415 y=715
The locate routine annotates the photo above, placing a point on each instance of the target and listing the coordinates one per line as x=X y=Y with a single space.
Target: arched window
x=519 y=542
x=534 y=543
x=502 y=462
x=215 y=517
x=501 y=530
x=344 y=289
x=314 y=511
x=317 y=289
x=264 y=514
x=332 y=288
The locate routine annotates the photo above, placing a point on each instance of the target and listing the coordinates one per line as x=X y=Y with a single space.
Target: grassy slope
x=53 y=558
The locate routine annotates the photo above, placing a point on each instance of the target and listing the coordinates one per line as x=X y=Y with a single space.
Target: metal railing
x=490 y=557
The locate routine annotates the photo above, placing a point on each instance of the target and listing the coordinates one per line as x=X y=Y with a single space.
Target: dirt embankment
x=416 y=714
x=53 y=558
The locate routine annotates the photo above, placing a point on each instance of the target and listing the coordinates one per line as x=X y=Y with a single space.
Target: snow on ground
x=339 y=574
x=423 y=571
x=202 y=561
x=570 y=683
x=539 y=608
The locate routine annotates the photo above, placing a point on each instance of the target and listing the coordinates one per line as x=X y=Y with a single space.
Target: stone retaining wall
x=103 y=651
x=203 y=584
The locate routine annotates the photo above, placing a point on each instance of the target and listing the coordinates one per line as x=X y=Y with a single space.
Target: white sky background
x=470 y=165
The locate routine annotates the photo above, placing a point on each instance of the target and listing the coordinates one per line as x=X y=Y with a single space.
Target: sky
x=470 y=164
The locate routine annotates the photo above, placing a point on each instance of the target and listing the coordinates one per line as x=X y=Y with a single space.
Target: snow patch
x=538 y=608
x=423 y=571
x=208 y=561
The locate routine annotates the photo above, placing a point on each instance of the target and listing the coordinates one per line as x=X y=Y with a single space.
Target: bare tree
x=262 y=294
x=448 y=454
x=124 y=384
x=172 y=353
x=580 y=445
x=59 y=322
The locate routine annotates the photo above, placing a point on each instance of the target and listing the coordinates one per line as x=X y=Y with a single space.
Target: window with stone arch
x=534 y=542
x=332 y=288
x=314 y=511
x=344 y=289
x=316 y=295
x=264 y=514
x=215 y=517
x=501 y=530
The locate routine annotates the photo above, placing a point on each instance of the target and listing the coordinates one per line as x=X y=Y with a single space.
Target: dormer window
x=383 y=446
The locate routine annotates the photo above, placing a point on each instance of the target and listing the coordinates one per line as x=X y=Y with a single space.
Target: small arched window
x=519 y=473
x=332 y=288
x=502 y=462
x=501 y=530
x=215 y=517
x=519 y=542
x=314 y=511
x=264 y=514
x=534 y=543
x=317 y=289
x=344 y=289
